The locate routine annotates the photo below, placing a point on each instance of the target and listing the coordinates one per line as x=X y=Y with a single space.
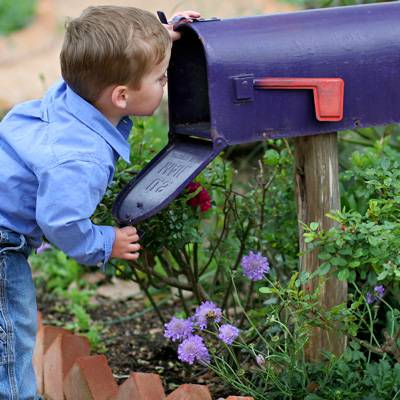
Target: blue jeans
x=18 y=319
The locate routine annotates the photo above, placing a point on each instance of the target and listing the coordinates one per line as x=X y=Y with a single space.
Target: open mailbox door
x=164 y=178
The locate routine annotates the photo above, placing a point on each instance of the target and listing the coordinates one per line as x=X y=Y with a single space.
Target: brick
x=190 y=392
x=45 y=337
x=38 y=355
x=90 y=378
x=50 y=333
x=239 y=398
x=141 y=386
x=59 y=359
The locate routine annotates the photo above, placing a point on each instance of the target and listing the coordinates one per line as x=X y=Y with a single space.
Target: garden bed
x=134 y=345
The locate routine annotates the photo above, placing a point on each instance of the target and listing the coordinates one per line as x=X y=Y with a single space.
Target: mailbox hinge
x=243 y=87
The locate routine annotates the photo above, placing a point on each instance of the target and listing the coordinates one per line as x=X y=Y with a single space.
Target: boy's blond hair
x=109 y=45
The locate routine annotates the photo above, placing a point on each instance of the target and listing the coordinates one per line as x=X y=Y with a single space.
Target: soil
x=135 y=344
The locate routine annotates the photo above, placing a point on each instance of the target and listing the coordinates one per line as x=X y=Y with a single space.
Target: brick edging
x=65 y=370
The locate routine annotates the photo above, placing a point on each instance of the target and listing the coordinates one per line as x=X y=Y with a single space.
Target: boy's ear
x=119 y=97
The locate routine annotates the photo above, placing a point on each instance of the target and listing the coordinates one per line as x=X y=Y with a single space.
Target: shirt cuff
x=108 y=234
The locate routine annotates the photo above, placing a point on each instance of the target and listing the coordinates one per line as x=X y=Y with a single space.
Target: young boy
x=57 y=156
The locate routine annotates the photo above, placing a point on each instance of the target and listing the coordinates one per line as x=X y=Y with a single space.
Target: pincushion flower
x=201 y=199
x=207 y=311
x=377 y=294
x=260 y=360
x=228 y=333
x=43 y=247
x=178 y=329
x=193 y=349
x=255 y=266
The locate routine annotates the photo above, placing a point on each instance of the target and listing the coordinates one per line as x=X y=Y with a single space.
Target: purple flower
x=255 y=266
x=178 y=329
x=228 y=333
x=260 y=360
x=377 y=294
x=379 y=291
x=43 y=247
x=205 y=312
x=370 y=298
x=193 y=349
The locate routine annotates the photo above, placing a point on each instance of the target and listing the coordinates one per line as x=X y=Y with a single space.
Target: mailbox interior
x=188 y=87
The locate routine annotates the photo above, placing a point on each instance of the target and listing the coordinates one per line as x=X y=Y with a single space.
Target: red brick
x=141 y=386
x=58 y=360
x=50 y=333
x=90 y=378
x=44 y=338
x=190 y=392
x=238 y=398
x=38 y=355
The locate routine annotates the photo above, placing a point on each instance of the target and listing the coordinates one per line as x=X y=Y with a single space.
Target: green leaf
x=271 y=157
x=324 y=269
x=343 y=275
x=265 y=290
x=314 y=226
x=339 y=261
x=352 y=276
x=354 y=264
x=324 y=256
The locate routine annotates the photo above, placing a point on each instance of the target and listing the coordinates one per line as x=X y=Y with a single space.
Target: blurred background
x=31 y=33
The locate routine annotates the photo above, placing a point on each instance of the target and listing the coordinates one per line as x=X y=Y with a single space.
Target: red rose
x=205 y=206
x=201 y=199
x=192 y=187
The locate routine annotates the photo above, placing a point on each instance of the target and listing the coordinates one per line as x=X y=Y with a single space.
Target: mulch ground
x=135 y=344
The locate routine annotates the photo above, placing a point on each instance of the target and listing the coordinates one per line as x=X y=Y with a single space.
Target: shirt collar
x=115 y=136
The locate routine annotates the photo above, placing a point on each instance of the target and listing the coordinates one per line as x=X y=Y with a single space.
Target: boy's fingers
x=191 y=14
x=133 y=247
x=131 y=256
x=134 y=238
x=187 y=14
x=129 y=230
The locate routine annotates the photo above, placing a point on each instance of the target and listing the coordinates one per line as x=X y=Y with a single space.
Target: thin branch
x=148 y=294
x=238 y=259
x=225 y=212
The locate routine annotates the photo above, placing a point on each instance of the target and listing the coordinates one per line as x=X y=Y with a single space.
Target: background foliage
x=15 y=15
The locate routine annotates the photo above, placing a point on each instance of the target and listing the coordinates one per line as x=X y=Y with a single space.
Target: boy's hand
x=125 y=245
x=190 y=15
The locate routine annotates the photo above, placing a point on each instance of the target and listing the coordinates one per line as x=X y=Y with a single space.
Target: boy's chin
x=147 y=114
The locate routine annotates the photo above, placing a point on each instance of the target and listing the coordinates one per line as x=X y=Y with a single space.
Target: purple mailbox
x=250 y=79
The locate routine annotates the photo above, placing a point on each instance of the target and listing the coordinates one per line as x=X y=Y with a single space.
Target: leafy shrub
x=366 y=244
x=56 y=270
x=57 y=274
x=15 y=15
x=195 y=251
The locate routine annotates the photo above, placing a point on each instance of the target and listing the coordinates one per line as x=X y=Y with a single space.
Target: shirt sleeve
x=67 y=196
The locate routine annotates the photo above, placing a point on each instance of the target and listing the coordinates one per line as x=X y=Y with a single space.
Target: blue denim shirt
x=57 y=157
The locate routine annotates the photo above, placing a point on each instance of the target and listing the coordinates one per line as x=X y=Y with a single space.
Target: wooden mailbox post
x=317 y=192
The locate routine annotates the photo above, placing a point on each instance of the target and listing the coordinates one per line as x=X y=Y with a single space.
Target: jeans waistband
x=13 y=241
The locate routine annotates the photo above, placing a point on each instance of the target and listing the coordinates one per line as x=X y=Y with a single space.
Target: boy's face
x=145 y=101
